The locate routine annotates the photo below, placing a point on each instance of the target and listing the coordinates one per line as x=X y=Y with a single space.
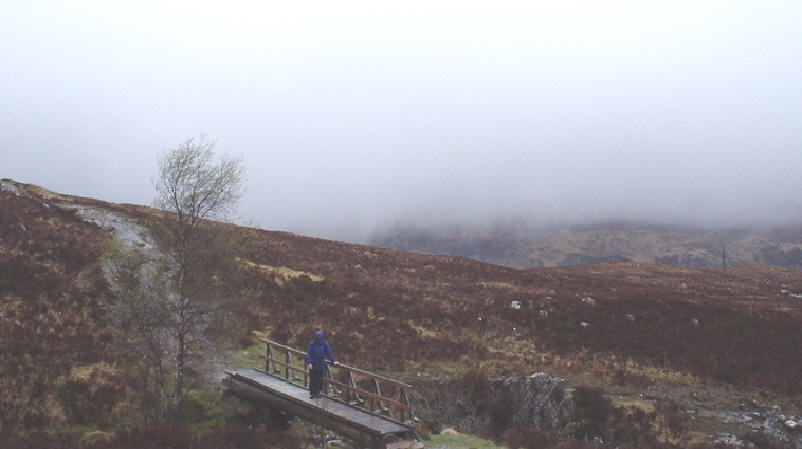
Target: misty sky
x=351 y=115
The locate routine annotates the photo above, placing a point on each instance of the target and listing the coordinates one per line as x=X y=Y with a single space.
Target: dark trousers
x=315 y=381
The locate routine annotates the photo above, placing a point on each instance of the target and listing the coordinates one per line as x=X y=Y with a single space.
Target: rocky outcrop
x=475 y=403
x=770 y=421
x=540 y=401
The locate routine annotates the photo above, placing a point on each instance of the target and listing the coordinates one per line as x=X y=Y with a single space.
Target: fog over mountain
x=357 y=115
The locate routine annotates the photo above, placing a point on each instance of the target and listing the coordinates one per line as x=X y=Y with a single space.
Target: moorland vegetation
x=642 y=329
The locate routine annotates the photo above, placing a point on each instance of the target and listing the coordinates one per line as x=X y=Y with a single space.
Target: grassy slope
x=403 y=313
x=52 y=334
x=736 y=326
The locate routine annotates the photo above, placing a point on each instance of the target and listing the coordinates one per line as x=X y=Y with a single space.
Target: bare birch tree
x=194 y=186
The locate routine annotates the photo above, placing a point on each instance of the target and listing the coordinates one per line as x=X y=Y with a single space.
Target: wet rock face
x=474 y=403
x=125 y=229
x=540 y=401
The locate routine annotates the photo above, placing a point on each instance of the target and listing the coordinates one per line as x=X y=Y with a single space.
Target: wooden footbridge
x=364 y=407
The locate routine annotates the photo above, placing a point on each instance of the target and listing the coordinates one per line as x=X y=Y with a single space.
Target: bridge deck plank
x=342 y=410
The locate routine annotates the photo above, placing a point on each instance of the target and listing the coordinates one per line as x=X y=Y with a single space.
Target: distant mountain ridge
x=518 y=245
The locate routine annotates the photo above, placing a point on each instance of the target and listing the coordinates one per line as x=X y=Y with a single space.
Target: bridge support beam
x=290 y=405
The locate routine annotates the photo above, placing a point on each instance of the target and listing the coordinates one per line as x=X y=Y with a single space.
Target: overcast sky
x=351 y=115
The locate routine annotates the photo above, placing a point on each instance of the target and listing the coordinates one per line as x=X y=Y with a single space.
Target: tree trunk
x=179 y=361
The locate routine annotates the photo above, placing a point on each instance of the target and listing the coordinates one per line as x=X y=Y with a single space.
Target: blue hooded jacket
x=318 y=351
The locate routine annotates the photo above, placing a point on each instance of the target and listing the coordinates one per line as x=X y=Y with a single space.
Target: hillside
x=521 y=245
x=53 y=335
x=629 y=327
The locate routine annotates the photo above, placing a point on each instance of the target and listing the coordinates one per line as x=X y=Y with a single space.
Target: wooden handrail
x=402 y=405
x=284 y=364
x=342 y=365
x=284 y=347
x=370 y=395
x=376 y=376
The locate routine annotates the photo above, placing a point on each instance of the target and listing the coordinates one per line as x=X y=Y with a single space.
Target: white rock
x=10 y=187
x=515 y=305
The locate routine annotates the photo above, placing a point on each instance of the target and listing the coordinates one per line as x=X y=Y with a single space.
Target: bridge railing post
x=271 y=359
x=404 y=399
x=353 y=391
x=289 y=368
x=331 y=381
x=382 y=408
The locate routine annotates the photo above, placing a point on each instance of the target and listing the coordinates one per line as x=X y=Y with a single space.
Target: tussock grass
x=281 y=275
x=451 y=439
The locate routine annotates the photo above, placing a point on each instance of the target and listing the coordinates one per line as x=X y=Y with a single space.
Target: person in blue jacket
x=316 y=355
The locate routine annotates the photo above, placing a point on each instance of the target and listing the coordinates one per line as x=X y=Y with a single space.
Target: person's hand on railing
x=336 y=363
x=310 y=367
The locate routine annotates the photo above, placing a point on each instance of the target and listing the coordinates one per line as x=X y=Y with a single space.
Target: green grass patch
x=450 y=439
x=248 y=357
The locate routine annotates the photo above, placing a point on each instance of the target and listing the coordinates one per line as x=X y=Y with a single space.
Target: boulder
x=540 y=401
